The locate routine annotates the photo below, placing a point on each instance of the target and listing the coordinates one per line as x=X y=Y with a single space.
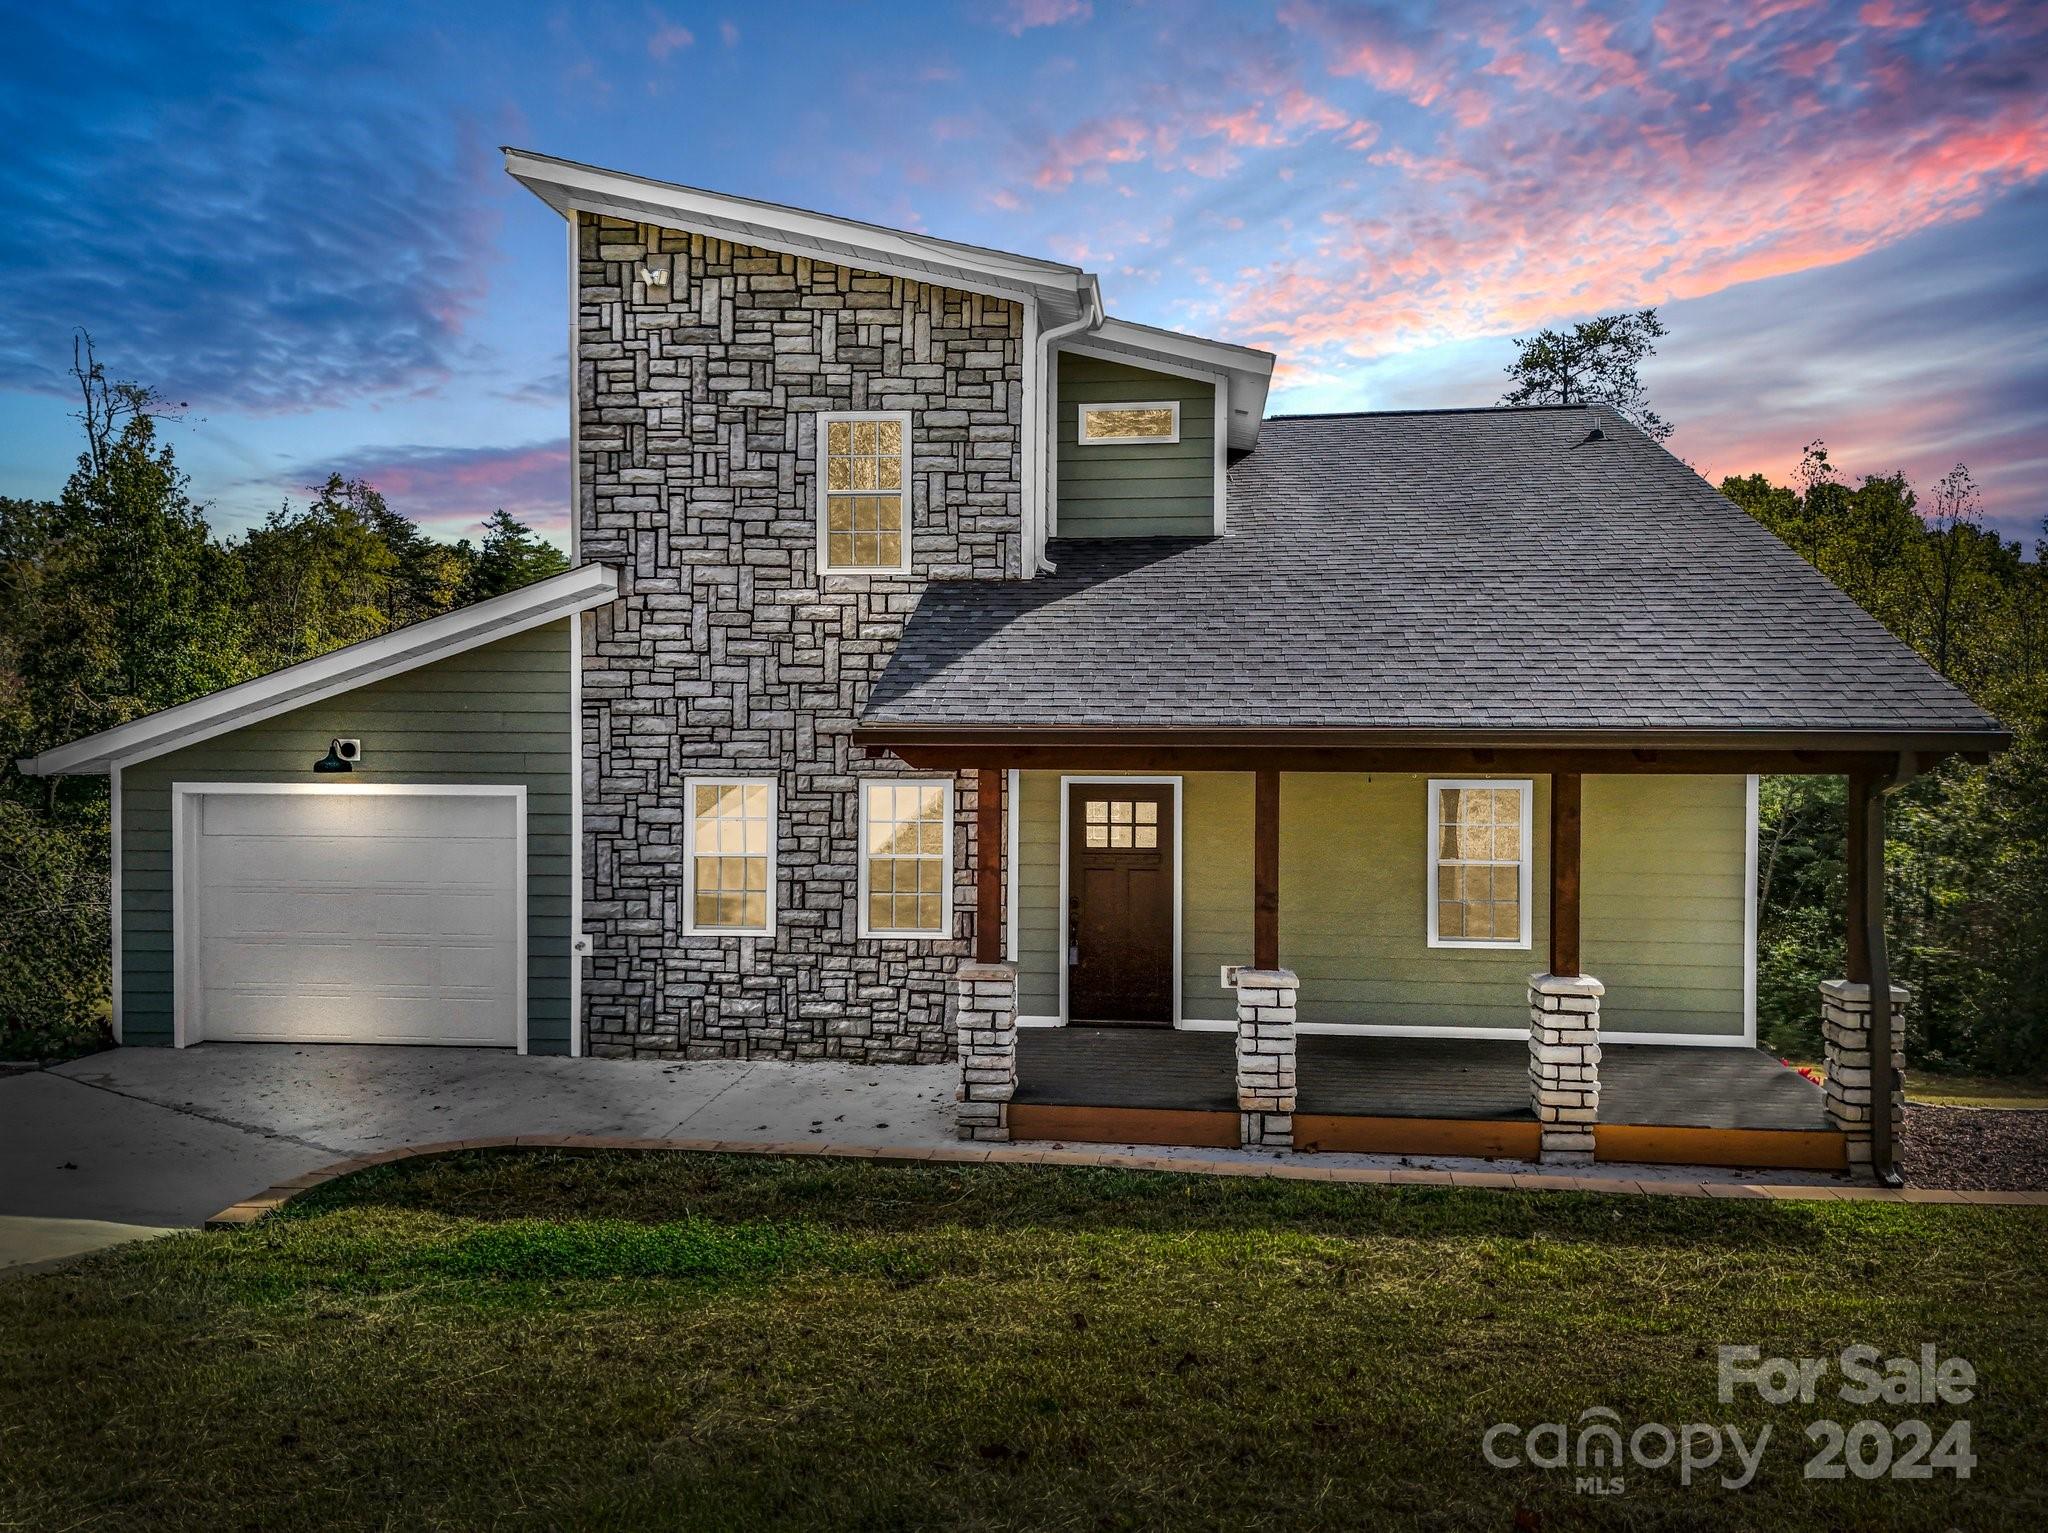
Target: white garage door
x=344 y=916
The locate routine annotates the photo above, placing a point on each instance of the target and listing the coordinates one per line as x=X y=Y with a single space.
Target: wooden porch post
x=1266 y=868
x=1855 y=879
x=988 y=866
x=1564 y=875
x=1877 y=975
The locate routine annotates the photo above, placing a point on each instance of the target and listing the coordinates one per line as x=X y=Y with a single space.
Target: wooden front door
x=1120 y=877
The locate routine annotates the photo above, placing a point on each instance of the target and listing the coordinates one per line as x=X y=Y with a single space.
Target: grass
x=1942 y=1088
x=544 y=1340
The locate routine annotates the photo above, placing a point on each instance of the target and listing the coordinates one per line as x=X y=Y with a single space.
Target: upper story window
x=863 y=493
x=730 y=854
x=1479 y=864
x=1156 y=420
x=906 y=857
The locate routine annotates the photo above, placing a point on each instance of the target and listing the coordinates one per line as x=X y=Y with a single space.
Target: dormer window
x=1156 y=420
x=864 y=493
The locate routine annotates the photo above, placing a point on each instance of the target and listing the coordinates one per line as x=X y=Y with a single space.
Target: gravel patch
x=1978 y=1148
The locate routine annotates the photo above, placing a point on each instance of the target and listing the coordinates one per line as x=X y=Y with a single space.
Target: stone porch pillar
x=1564 y=1064
x=1265 y=1058
x=985 y=1009
x=1850 y=1096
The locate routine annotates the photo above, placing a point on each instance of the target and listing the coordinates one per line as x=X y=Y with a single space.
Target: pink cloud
x=450 y=490
x=1019 y=16
x=1091 y=146
x=1533 y=213
x=667 y=37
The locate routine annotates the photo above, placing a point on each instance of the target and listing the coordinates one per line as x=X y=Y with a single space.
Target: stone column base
x=1564 y=1064
x=1849 y=1095
x=1265 y=1058
x=986 y=1027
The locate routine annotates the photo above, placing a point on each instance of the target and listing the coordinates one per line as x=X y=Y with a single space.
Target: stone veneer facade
x=728 y=653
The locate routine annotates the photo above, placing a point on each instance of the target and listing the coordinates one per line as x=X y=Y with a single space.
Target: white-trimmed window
x=1126 y=423
x=864 y=493
x=906 y=857
x=730 y=853
x=1479 y=861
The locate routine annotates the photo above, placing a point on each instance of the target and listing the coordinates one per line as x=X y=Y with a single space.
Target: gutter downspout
x=1091 y=317
x=1883 y=1162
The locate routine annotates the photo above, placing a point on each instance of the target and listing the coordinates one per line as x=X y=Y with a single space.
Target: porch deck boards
x=1660 y=1085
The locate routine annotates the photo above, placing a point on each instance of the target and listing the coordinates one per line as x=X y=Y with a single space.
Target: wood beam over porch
x=947 y=756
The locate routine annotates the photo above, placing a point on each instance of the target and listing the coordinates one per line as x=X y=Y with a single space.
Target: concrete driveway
x=127 y=1143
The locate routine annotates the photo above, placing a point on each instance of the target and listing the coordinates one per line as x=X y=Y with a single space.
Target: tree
x=511 y=557
x=1951 y=572
x=346 y=567
x=1967 y=870
x=119 y=602
x=1594 y=362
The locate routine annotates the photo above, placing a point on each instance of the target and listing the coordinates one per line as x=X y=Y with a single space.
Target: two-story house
x=949 y=669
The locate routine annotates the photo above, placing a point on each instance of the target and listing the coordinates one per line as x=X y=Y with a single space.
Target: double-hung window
x=730 y=855
x=1479 y=863
x=864 y=493
x=906 y=857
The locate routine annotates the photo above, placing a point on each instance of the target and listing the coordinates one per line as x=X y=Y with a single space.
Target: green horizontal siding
x=1135 y=489
x=1662 y=920
x=497 y=714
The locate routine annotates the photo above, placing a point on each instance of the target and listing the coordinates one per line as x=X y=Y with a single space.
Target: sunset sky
x=295 y=218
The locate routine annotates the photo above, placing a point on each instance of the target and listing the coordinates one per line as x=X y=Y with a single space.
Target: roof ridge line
x=1332 y=415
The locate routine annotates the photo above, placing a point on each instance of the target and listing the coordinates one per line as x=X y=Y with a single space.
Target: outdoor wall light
x=342 y=756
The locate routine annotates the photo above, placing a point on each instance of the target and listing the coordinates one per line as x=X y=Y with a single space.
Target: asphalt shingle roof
x=1455 y=570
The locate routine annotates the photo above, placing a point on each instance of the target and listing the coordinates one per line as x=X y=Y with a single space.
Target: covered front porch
x=1659 y=1103
x=1298 y=1059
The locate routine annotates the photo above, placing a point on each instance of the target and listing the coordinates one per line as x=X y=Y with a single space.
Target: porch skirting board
x=1479 y=1138
x=1124 y=1125
x=1777 y=1149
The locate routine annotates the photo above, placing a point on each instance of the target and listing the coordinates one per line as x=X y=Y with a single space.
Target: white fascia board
x=567 y=186
x=341 y=670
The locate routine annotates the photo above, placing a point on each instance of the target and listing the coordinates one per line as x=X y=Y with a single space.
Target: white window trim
x=1528 y=859
x=690 y=787
x=1081 y=417
x=823 y=422
x=946 y=921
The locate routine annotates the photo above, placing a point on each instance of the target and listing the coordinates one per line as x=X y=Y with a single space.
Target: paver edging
x=257 y=1205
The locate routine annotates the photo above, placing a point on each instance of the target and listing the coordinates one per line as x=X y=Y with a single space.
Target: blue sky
x=295 y=219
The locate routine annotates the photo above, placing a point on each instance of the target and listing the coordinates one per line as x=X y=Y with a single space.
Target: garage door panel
x=357 y=917
x=260 y=1017
x=227 y=966
x=447 y=913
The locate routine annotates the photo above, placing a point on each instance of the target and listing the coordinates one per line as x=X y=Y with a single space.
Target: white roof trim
x=341 y=670
x=567 y=186
x=1249 y=370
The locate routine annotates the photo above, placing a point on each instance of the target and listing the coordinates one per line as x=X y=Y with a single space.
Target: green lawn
x=1943 y=1088
x=546 y=1340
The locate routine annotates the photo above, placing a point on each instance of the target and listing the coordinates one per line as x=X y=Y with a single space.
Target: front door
x=1120 y=877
